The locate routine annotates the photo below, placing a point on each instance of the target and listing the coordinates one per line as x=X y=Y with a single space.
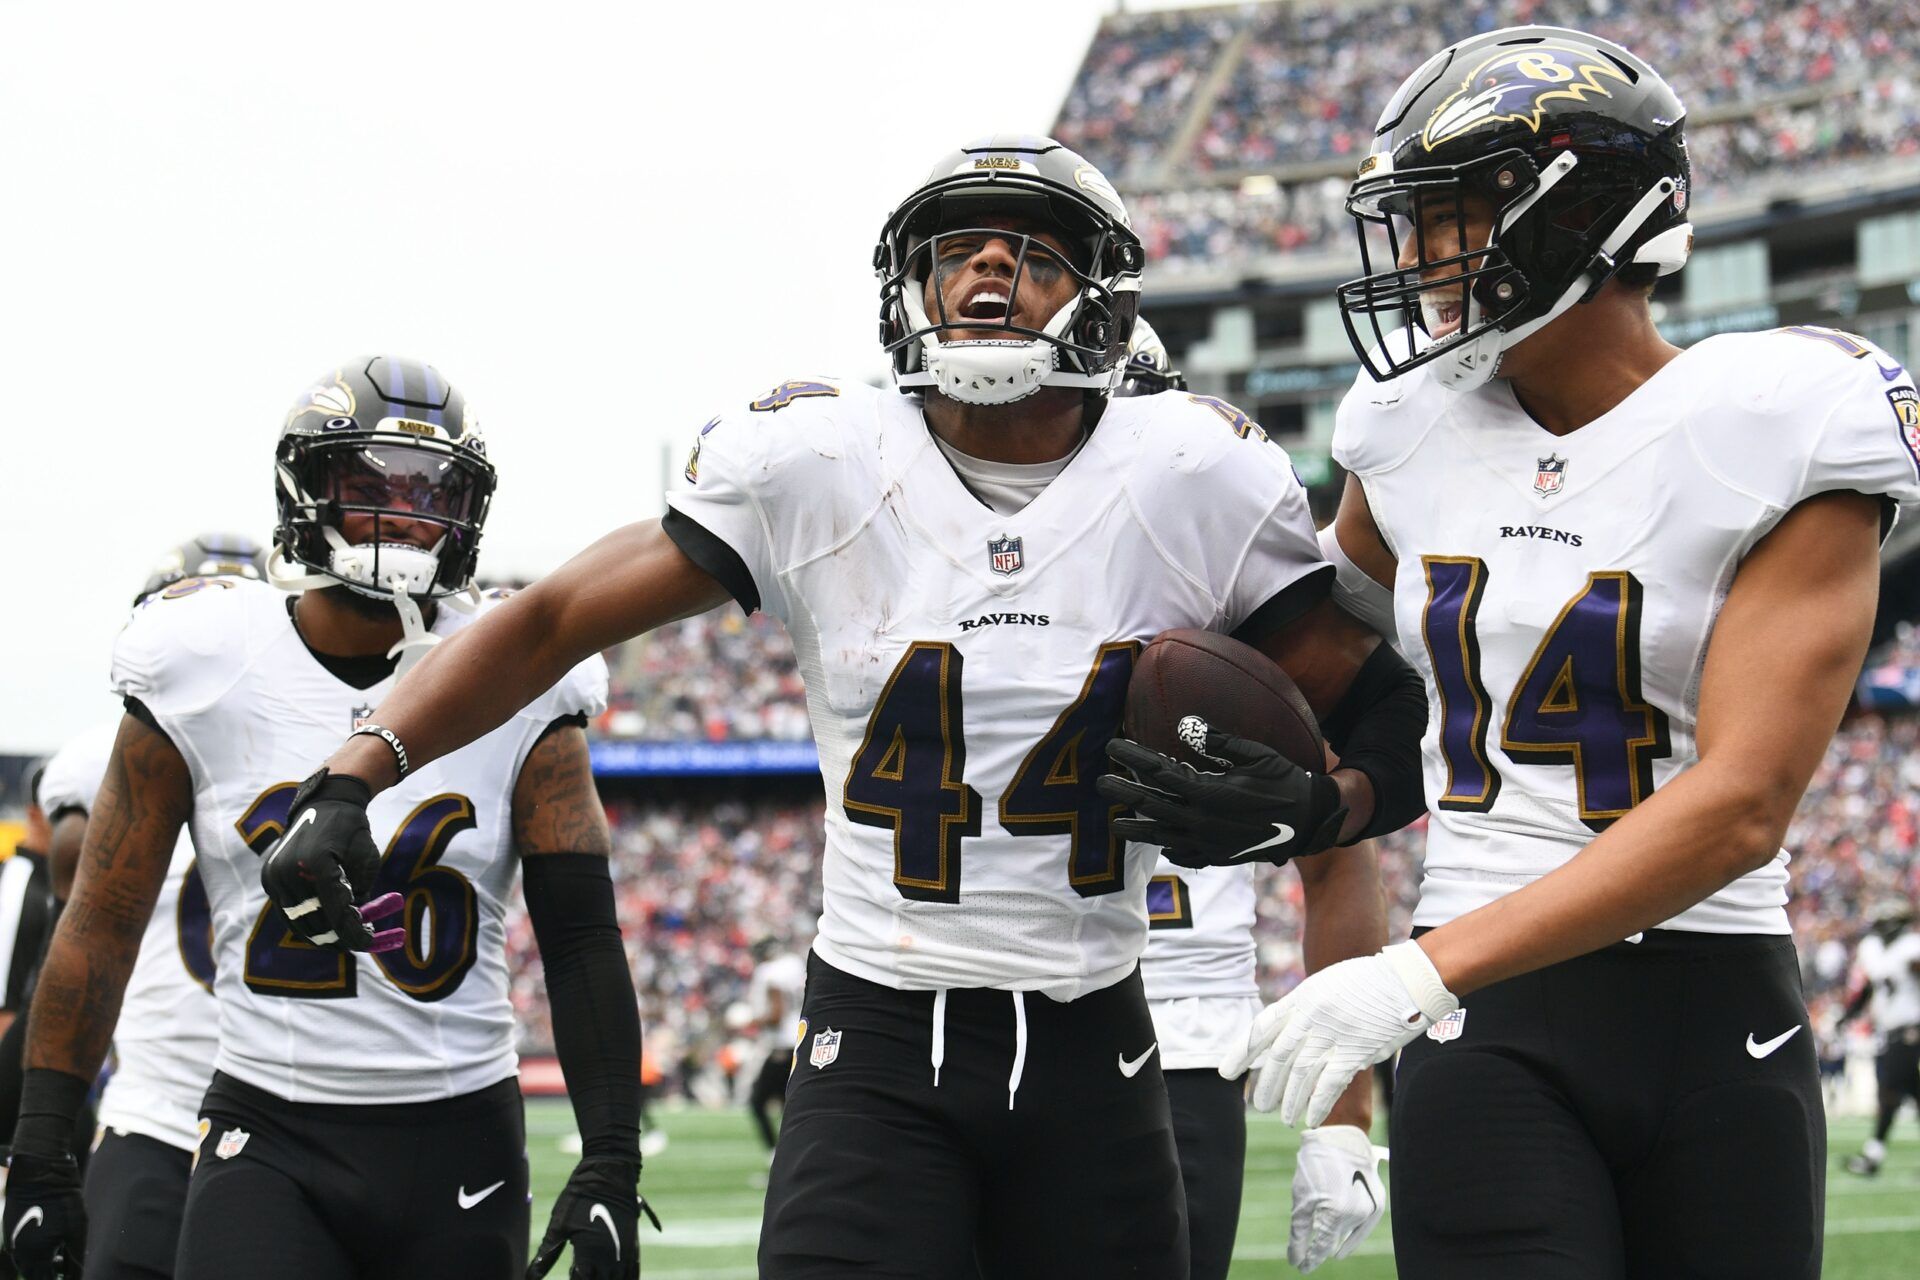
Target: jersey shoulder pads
x=73 y=776
x=1378 y=425
x=187 y=645
x=1794 y=412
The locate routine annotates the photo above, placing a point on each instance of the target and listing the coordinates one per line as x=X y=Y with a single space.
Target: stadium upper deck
x=1234 y=129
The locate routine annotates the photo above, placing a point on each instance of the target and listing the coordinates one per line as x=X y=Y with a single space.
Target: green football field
x=706 y=1187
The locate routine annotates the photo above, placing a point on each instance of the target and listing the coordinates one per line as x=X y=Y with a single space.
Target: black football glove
x=598 y=1213
x=45 y=1223
x=1259 y=807
x=325 y=863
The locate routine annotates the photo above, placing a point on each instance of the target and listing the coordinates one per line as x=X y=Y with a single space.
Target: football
x=1186 y=677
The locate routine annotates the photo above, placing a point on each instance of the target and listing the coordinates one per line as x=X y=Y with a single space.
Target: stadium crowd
x=1781 y=90
x=700 y=879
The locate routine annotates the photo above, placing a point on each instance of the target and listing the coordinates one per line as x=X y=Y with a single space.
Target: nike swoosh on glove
x=1259 y=807
x=45 y=1224
x=598 y=1213
x=326 y=863
x=1337 y=1196
x=1343 y=1019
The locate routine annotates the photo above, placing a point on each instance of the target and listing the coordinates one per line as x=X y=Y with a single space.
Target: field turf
x=706 y=1186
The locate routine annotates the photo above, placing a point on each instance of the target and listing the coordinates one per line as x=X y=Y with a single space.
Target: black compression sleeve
x=596 y=1018
x=1376 y=729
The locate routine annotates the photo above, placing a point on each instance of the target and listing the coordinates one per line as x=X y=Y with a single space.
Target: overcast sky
x=601 y=222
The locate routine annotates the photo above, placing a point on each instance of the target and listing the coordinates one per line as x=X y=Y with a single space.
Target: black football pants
x=1210 y=1129
x=1043 y=1149
x=400 y=1191
x=136 y=1190
x=1651 y=1110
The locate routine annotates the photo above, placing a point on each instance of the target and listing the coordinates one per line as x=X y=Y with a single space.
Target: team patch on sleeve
x=1242 y=425
x=1906 y=410
x=787 y=392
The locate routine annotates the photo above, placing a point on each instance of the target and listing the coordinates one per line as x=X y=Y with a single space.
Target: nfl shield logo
x=1550 y=475
x=1003 y=554
x=231 y=1142
x=362 y=715
x=826 y=1047
x=1449 y=1027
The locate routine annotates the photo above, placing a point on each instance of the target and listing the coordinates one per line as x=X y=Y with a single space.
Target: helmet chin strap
x=994 y=371
x=414 y=640
x=1475 y=363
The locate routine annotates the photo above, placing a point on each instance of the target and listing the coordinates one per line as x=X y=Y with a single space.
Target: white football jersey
x=221 y=668
x=786 y=974
x=164 y=1043
x=1199 y=932
x=1896 y=987
x=965 y=669
x=1558 y=593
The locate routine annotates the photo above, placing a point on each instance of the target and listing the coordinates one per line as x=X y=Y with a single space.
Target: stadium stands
x=1224 y=126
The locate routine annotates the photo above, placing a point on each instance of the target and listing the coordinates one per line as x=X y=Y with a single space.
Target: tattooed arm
x=560 y=830
x=129 y=841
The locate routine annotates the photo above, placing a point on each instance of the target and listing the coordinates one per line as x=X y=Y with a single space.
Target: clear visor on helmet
x=397 y=481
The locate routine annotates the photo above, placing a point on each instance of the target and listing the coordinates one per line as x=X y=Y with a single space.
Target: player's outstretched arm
x=146 y=796
x=631 y=581
x=321 y=872
x=1785 y=651
x=560 y=830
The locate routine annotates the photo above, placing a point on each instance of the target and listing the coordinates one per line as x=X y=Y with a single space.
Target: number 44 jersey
x=965 y=669
x=219 y=666
x=1558 y=593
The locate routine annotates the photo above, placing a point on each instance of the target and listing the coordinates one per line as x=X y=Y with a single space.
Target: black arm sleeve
x=1376 y=729
x=706 y=549
x=596 y=1018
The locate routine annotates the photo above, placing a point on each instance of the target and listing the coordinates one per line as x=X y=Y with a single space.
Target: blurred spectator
x=1806 y=90
x=718 y=676
x=1137 y=84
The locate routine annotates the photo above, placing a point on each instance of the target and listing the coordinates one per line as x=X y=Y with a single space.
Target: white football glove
x=1337 y=1196
x=1335 y=1024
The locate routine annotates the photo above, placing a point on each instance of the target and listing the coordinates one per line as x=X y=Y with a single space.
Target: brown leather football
x=1232 y=687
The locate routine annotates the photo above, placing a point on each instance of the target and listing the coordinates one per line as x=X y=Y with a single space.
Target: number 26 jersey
x=965 y=669
x=219 y=666
x=1558 y=593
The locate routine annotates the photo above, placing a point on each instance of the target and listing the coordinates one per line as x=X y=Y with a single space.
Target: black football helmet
x=208 y=555
x=1149 y=368
x=1578 y=147
x=1083 y=345
x=392 y=439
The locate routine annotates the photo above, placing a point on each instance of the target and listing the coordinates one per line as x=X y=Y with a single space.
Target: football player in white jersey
x=775 y=993
x=1199 y=974
x=1639 y=583
x=364 y=1117
x=967 y=571
x=166 y=1036
x=1889 y=961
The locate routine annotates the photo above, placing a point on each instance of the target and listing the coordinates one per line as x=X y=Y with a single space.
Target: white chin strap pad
x=403 y=567
x=989 y=372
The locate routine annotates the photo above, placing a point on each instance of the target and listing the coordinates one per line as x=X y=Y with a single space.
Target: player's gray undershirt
x=1004 y=486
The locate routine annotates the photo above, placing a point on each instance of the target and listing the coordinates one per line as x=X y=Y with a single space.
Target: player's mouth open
x=986 y=304
x=1442 y=318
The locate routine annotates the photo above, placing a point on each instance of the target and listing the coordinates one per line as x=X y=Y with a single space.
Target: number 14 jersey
x=1558 y=593
x=965 y=669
